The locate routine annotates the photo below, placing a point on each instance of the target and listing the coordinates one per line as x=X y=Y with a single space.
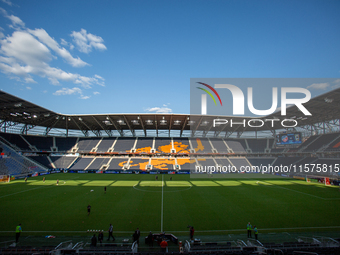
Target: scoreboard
x=289 y=139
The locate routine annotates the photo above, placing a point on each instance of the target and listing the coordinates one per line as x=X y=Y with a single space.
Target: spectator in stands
x=255 y=232
x=18 y=231
x=110 y=232
x=100 y=237
x=192 y=230
x=164 y=245
x=249 y=230
x=94 y=240
x=150 y=239
x=88 y=209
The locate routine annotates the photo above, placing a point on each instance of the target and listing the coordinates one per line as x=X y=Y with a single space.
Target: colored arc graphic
x=213 y=90
x=208 y=94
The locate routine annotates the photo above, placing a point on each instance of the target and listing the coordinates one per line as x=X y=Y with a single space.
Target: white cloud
x=68 y=91
x=29 y=80
x=16 y=21
x=63 y=42
x=159 y=110
x=28 y=52
x=86 y=41
x=96 y=93
x=336 y=84
x=29 y=88
x=7 y=2
x=320 y=86
x=84 y=97
x=44 y=37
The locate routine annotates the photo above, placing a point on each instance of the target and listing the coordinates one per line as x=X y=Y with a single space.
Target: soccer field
x=138 y=200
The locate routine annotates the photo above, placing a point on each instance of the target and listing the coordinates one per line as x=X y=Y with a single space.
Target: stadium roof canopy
x=18 y=114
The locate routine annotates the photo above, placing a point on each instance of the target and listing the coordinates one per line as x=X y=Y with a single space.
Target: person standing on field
x=100 y=237
x=18 y=231
x=249 y=230
x=255 y=232
x=88 y=209
x=192 y=231
x=110 y=233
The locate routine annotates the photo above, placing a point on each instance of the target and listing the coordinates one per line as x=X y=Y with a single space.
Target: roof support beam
x=183 y=126
x=142 y=124
x=114 y=124
x=128 y=124
x=108 y=132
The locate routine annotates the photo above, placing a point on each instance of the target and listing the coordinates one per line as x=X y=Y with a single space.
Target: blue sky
x=83 y=57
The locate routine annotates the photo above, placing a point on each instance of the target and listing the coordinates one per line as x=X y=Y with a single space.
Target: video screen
x=289 y=139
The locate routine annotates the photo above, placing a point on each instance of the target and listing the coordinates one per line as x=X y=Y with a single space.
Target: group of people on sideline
x=136 y=235
x=250 y=229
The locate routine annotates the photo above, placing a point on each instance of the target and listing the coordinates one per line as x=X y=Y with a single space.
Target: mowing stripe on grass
x=50 y=185
x=26 y=190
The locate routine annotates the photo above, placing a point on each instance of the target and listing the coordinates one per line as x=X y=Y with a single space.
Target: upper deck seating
x=105 y=144
x=257 y=145
x=40 y=142
x=163 y=145
x=87 y=144
x=144 y=145
x=16 y=140
x=181 y=145
x=236 y=146
x=65 y=143
x=219 y=145
x=201 y=145
x=124 y=144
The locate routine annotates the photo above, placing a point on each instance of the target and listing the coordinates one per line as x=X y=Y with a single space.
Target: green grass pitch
x=138 y=200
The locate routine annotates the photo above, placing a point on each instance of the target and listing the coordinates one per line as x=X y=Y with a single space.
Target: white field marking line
x=27 y=190
x=267 y=229
x=134 y=186
x=274 y=185
x=50 y=185
x=162 y=204
x=174 y=231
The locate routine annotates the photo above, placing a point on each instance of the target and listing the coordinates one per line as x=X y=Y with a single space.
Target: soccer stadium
x=202 y=188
